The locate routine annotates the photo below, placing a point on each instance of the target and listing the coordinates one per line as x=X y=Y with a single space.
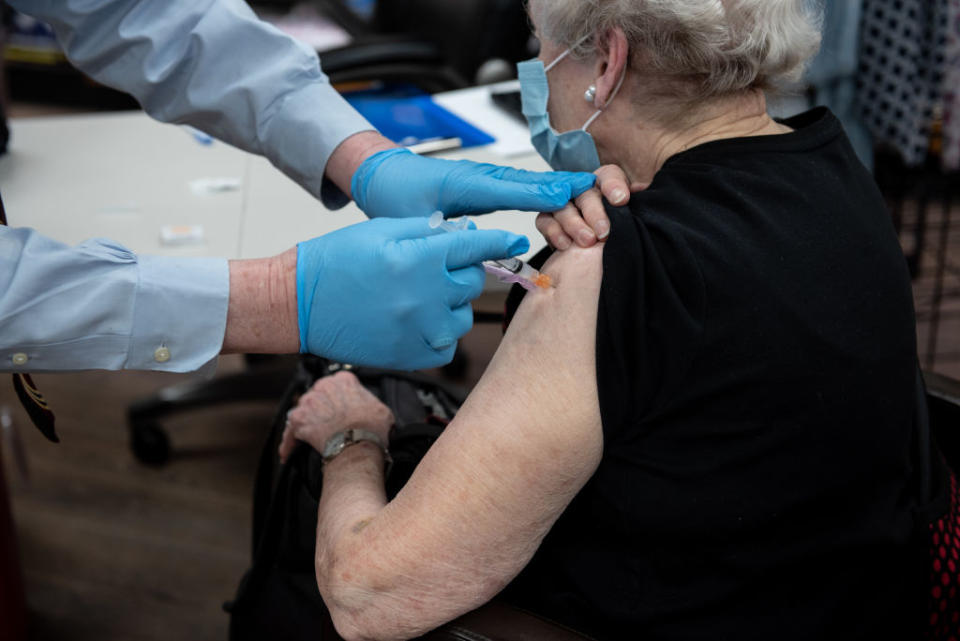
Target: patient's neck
x=644 y=147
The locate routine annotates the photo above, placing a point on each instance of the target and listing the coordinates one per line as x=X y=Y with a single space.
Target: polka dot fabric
x=944 y=607
x=902 y=64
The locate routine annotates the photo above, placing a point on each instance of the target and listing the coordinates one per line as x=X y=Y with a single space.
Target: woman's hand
x=585 y=220
x=334 y=404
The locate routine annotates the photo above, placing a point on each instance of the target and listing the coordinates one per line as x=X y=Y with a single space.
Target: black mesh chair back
x=467 y=32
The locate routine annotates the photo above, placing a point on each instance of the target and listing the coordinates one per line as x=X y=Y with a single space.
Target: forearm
x=353 y=495
x=262 y=314
x=390 y=572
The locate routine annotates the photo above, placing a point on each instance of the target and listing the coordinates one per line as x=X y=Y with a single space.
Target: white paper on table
x=477 y=107
x=181 y=235
x=214 y=185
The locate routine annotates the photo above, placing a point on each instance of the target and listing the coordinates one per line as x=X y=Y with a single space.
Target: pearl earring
x=591 y=94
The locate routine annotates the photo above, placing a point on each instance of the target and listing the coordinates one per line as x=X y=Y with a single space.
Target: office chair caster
x=150 y=443
x=266 y=379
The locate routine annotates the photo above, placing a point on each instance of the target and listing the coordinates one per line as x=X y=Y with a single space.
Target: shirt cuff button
x=161 y=355
x=19 y=359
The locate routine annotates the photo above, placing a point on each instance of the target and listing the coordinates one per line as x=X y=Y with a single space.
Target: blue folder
x=409 y=117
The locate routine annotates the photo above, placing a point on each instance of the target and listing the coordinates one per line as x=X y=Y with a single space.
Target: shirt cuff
x=179 y=315
x=303 y=133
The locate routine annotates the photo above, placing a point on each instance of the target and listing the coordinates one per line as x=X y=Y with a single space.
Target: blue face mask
x=571 y=151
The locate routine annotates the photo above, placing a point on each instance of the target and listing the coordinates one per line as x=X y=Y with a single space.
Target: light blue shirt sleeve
x=100 y=306
x=214 y=65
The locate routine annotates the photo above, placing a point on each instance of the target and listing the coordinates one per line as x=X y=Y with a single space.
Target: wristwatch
x=340 y=441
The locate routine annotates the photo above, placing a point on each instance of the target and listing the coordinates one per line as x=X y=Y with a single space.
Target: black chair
x=943 y=400
x=943 y=597
x=265 y=379
x=435 y=45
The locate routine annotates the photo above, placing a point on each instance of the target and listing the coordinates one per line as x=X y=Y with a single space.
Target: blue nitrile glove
x=393 y=293
x=397 y=183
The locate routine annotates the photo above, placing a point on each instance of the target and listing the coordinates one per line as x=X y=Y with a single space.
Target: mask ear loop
x=557 y=60
x=566 y=53
x=616 y=90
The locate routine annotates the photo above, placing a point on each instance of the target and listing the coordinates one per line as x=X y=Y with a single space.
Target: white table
x=124 y=176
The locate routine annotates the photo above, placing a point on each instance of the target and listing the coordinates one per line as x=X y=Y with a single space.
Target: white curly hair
x=712 y=47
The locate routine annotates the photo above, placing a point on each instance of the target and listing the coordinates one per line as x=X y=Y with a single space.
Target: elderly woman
x=706 y=429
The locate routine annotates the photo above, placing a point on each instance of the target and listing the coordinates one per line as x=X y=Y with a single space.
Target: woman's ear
x=612 y=63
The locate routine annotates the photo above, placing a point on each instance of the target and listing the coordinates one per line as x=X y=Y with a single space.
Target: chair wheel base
x=150 y=444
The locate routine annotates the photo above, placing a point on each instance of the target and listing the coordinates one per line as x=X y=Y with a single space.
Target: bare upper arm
x=525 y=442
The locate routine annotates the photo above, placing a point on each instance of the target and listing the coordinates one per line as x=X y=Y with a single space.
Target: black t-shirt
x=756 y=361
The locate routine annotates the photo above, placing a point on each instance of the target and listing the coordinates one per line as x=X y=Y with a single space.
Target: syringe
x=508 y=270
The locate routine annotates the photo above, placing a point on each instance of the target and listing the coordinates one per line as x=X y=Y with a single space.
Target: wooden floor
x=115 y=550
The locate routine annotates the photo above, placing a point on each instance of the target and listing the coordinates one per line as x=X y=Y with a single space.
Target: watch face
x=343 y=440
x=335 y=445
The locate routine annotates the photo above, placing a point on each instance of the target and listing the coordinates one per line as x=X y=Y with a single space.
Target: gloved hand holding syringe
x=508 y=270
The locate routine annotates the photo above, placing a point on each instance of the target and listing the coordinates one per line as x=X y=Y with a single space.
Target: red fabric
x=13 y=610
x=945 y=572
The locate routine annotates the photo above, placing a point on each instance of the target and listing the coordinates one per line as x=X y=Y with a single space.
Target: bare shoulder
x=544 y=372
x=567 y=312
x=543 y=375
x=577 y=258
